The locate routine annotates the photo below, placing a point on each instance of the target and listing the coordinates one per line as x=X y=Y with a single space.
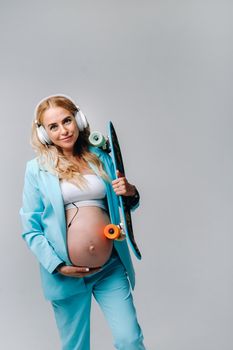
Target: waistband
x=91 y=202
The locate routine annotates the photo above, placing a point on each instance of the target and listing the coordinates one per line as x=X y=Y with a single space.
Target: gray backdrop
x=162 y=72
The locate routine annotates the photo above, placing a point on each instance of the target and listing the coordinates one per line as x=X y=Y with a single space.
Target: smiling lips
x=66 y=138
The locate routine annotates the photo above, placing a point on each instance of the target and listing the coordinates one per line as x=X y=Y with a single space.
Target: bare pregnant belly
x=86 y=243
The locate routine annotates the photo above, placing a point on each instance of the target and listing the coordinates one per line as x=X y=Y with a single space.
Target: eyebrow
x=68 y=116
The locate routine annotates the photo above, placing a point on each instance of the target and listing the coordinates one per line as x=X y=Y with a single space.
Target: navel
x=91 y=248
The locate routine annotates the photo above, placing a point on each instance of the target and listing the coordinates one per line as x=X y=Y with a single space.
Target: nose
x=63 y=130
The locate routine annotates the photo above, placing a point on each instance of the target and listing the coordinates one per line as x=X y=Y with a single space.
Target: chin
x=68 y=145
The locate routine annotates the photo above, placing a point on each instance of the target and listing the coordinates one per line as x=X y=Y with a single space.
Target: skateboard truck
x=116 y=232
x=97 y=139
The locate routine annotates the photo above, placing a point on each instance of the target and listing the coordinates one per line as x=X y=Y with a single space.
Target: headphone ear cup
x=43 y=136
x=81 y=120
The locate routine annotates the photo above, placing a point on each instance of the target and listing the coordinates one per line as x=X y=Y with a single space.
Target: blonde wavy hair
x=51 y=157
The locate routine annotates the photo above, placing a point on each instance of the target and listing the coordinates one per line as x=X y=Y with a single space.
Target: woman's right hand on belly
x=76 y=271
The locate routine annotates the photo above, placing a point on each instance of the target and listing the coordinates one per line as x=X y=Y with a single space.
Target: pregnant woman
x=70 y=194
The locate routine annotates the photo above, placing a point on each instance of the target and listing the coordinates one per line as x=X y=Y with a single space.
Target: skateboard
x=125 y=228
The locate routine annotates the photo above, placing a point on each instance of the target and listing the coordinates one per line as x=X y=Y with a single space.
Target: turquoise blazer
x=44 y=226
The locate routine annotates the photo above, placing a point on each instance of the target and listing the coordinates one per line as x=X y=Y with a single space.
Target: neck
x=72 y=153
x=70 y=156
x=68 y=153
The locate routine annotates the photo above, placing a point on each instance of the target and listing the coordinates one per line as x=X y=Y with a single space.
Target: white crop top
x=93 y=195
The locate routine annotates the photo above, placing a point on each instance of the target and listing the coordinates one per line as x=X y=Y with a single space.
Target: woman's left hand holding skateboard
x=122 y=187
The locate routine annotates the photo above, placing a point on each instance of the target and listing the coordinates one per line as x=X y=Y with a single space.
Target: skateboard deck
x=111 y=145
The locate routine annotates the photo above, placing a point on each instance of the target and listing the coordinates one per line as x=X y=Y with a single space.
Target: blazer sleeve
x=134 y=201
x=31 y=216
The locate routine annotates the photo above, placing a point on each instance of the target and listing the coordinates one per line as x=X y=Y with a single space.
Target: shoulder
x=103 y=155
x=32 y=166
x=33 y=163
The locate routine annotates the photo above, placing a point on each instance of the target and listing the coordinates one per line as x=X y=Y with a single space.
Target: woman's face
x=61 y=127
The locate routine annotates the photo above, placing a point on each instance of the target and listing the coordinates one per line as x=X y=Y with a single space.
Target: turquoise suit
x=44 y=230
x=44 y=226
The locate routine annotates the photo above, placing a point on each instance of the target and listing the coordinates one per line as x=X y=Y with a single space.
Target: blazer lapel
x=53 y=191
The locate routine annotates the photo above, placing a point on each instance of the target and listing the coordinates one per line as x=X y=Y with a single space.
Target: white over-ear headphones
x=42 y=133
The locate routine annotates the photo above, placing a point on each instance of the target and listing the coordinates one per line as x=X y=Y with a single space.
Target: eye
x=53 y=127
x=68 y=120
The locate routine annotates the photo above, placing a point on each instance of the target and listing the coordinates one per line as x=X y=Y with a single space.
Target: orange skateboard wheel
x=112 y=231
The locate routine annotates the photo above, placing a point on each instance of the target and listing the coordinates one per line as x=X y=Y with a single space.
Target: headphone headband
x=55 y=95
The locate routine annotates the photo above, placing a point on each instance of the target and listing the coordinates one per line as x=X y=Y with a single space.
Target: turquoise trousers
x=110 y=287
